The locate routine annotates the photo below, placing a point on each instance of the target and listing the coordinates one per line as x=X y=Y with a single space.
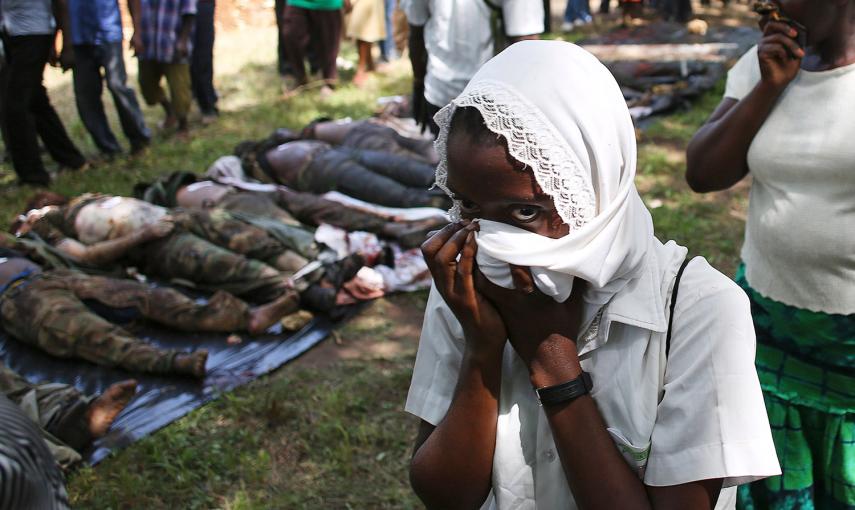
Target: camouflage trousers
x=222 y=228
x=48 y=312
x=189 y=260
x=58 y=409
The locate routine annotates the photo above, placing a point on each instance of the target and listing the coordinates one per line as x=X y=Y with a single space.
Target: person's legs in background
x=180 y=94
x=388 y=51
x=570 y=15
x=604 y=6
x=88 y=60
x=150 y=74
x=202 y=64
x=124 y=97
x=326 y=27
x=283 y=66
x=295 y=37
x=28 y=112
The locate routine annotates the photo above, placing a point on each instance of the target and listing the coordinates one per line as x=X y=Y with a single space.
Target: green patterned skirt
x=806 y=365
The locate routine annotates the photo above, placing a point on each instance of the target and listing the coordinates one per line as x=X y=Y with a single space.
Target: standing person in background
x=786 y=118
x=96 y=30
x=388 y=50
x=202 y=65
x=577 y=13
x=163 y=45
x=28 y=31
x=451 y=39
x=366 y=23
x=281 y=57
x=318 y=21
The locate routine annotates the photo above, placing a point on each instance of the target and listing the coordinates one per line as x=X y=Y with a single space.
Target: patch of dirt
x=388 y=328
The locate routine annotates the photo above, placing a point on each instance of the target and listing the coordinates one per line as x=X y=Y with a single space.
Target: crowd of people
x=568 y=357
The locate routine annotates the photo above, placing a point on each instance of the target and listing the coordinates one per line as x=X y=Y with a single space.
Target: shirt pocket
x=634 y=455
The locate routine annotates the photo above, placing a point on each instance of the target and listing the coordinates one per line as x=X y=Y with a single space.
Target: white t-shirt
x=459 y=39
x=800 y=237
x=711 y=422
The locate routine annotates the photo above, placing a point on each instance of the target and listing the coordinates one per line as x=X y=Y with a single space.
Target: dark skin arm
x=63 y=26
x=135 y=9
x=450 y=470
x=107 y=252
x=182 y=45
x=418 y=60
x=453 y=463
x=717 y=156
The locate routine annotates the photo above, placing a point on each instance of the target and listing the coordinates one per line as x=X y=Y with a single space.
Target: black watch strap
x=565 y=392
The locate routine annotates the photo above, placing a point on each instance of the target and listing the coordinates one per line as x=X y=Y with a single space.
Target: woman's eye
x=524 y=214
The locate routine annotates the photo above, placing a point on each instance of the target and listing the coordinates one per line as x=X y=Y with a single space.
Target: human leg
x=407 y=171
x=150 y=74
x=338 y=169
x=88 y=61
x=295 y=37
x=387 y=45
x=28 y=112
x=60 y=324
x=202 y=64
x=124 y=97
x=326 y=27
x=365 y=64
x=180 y=94
x=64 y=412
x=184 y=257
x=267 y=243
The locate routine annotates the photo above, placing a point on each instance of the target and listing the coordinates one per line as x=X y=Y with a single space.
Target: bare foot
x=191 y=363
x=360 y=79
x=264 y=316
x=104 y=409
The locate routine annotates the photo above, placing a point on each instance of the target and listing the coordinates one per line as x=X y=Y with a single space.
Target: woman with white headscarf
x=558 y=365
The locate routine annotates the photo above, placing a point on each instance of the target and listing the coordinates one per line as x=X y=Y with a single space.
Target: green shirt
x=317 y=5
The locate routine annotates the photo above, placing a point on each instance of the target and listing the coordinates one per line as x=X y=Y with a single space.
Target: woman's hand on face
x=779 y=54
x=450 y=256
x=534 y=320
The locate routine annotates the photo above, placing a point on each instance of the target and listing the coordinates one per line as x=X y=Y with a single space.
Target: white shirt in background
x=459 y=38
x=710 y=423
x=800 y=237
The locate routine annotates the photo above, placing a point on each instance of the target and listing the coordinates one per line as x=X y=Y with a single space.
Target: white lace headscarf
x=564 y=117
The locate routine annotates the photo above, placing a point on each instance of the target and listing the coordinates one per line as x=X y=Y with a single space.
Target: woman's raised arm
x=716 y=158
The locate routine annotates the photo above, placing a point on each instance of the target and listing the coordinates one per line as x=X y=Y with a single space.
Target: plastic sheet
x=161 y=400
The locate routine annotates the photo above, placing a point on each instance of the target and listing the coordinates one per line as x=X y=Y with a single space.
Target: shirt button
x=550 y=455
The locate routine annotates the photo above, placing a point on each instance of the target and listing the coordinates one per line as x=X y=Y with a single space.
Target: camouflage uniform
x=207 y=251
x=47 y=311
x=58 y=409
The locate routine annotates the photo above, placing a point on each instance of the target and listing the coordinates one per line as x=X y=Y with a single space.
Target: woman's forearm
x=596 y=472
x=453 y=467
x=717 y=156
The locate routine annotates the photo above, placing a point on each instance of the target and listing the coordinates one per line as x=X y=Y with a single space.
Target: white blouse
x=710 y=422
x=800 y=236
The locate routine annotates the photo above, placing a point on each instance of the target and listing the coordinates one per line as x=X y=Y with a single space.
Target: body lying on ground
x=281 y=204
x=46 y=309
x=314 y=166
x=207 y=250
x=67 y=419
x=369 y=134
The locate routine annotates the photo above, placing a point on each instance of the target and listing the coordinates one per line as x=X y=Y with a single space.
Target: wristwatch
x=565 y=392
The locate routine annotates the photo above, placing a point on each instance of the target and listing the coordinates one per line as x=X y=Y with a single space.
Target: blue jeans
x=577 y=9
x=387 y=46
x=88 y=86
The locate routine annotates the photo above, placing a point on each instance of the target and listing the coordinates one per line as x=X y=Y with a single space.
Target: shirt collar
x=641 y=303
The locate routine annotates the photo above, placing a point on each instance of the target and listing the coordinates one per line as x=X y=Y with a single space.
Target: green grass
x=326 y=433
